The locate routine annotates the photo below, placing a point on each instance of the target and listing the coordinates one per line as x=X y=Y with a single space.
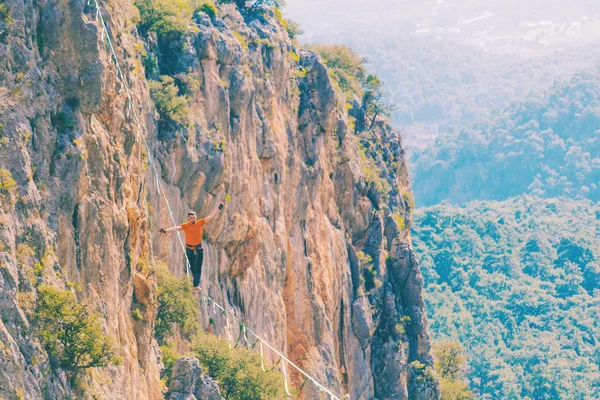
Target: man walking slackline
x=193 y=241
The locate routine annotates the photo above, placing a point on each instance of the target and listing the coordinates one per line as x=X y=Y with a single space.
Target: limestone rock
x=189 y=383
x=268 y=133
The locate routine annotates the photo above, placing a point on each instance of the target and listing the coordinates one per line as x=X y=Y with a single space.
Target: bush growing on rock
x=345 y=67
x=249 y=6
x=70 y=332
x=238 y=372
x=170 y=105
x=209 y=9
x=8 y=187
x=176 y=307
x=169 y=357
x=164 y=17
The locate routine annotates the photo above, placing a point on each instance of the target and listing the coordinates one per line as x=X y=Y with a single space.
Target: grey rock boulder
x=189 y=383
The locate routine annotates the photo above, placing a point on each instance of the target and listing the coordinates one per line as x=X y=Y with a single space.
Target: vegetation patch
x=71 y=332
x=172 y=107
x=451 y=364
x=164 y=17
x=177 y=308
x=209 y=9
x=238 y=372
x=7 y=183
x=518 y=281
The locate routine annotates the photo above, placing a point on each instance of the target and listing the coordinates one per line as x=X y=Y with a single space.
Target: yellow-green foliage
x=170 y=105
x=363 y=258
x=345 y=67
x=399 y=220
x=71 y=332
x=24 y=253
x=279 y=17
x=38 y=269
x=291 y=27
x=5 y=17
x=372 y=172
x=238 y=372
x=294 y=56
x=450 y=360
x=136 y=314
x=455 y=390
x=177 y=307
x=422 y=373
x=302 y=72
x=7 y=183
x=169 y=357
x=209 y=9
x=408 y=199
x=450 y=364
x=165 y=17
x=26 y=301
x=3 y=139
x=240 y=38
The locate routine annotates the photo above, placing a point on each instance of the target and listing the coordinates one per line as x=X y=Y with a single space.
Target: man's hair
x=191 y=213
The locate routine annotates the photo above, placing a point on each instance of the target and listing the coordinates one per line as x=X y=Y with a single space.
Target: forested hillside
x=546 y=146
x=518 y=284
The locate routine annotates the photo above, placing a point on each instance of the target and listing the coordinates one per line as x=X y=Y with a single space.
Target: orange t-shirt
x=193 y=232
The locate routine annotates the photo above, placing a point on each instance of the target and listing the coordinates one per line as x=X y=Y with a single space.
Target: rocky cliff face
x=311 y=250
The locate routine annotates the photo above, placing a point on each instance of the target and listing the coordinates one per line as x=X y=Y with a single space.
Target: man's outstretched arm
x=214 y=213
x=171 y=230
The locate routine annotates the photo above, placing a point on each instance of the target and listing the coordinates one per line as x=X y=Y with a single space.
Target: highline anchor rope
x=131 y=107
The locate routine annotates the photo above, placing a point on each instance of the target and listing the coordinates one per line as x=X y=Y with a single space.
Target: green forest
x=517 y=283
x=546 y=146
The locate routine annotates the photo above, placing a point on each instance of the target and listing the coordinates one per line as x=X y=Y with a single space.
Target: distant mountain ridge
x=547 y=146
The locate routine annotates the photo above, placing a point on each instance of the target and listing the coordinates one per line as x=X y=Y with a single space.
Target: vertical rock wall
x=283 y=254
x=315 y=258
x=77 y=203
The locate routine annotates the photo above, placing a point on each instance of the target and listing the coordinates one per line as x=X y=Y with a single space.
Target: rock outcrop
x=313 y=248
x=189 y=383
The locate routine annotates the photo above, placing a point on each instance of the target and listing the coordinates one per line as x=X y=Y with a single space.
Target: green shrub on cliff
x=7 y=183
x=176 y=307
x=5 y=20
x=347 y=71
x=451 y=364
x=8 y=188
x=238 y=372
x=255 y=5
x=170 y=105
x=169 y=357
x=346 y=68
x=209 y=9
x=70 y=332
x=164 y=17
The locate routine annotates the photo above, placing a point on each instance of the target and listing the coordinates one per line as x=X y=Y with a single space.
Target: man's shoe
x=197 y=288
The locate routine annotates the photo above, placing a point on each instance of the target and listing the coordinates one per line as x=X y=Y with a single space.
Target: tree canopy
x=546 y=146
x=517 y=283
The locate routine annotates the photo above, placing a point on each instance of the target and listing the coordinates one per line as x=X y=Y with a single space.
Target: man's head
x=192 y=216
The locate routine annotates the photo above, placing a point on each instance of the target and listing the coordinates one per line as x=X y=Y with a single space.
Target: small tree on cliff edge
x=451 y=363
x=71 y=332
x=252 y=5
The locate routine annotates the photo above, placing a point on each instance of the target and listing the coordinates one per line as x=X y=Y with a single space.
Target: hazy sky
x=503 y=22
x=449 y=63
